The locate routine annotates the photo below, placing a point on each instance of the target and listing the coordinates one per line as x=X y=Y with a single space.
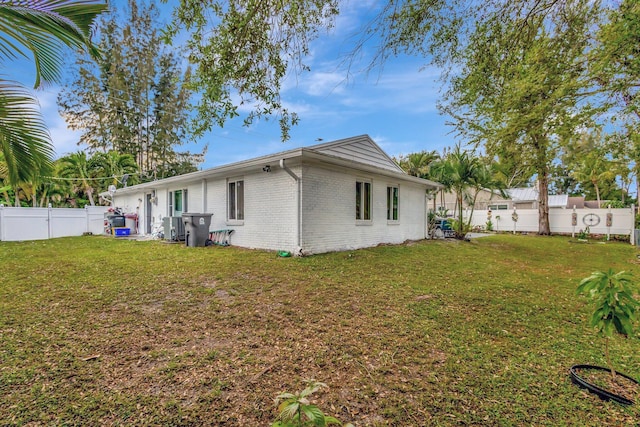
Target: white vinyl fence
x=607 y=222
x=18 y=224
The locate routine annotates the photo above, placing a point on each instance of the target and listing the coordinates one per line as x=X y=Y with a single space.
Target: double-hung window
x=363 y=200
x=235 y=197
x=392 y=203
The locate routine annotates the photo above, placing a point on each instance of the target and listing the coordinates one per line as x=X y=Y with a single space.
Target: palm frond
x=42 y=27
x=24 y=139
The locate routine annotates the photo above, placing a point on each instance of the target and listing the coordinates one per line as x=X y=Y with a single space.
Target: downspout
x=298 y=181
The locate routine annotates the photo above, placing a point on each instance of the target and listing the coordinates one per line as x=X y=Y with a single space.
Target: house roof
x=558 y=200
x=360 y=149
x=359 y=152
x=530 y=194
x=527 y=194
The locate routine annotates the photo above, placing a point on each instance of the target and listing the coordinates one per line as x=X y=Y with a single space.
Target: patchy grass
x=100 y=331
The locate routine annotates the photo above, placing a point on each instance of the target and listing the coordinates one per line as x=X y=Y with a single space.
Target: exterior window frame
x=364 y=201
x=499 y=207
x=393 y=204
x=184 y=192
x=235 y=201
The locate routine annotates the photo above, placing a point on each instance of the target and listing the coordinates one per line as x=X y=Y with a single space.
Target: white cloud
x=64 y=139
x=323 y=84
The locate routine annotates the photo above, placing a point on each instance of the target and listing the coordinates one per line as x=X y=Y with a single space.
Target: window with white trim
x=498 y=207
x=235 y=197
x=393 y=201
x=363 y=200
x=178 y=202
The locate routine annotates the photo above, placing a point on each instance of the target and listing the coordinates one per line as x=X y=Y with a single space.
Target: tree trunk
x=90 y=195
x=595 y=185
x=543 y=204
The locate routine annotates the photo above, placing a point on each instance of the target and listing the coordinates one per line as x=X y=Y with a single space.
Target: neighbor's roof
x=530 y=194
x=359 y=152
x=558 y=200
x=527 y=194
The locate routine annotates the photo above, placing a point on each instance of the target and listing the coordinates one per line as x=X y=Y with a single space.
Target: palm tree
x=418 y=164
x=595 y=169
x=487 y=177
x=458 y=172
x=37 y=29
x=115 y=166
x=77 y=167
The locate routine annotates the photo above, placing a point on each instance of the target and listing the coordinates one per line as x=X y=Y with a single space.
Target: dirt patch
x=618 y=384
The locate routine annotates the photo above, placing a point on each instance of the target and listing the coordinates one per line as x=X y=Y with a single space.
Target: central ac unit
x=173 y=228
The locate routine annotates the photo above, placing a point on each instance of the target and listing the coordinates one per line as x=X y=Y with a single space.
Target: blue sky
x=396 y=105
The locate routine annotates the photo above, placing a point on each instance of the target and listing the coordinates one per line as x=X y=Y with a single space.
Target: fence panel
x=599 y=221
x=18 y=224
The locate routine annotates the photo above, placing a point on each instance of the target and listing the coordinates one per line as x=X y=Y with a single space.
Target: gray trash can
x=196 y=228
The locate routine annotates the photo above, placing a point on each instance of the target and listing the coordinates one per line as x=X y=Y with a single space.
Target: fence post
x=2 y=227
x=86 y=222
x=632 y=237
x=49 y=225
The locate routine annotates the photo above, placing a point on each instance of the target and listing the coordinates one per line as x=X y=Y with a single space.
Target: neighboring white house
x=519 y=198
x=340 y=195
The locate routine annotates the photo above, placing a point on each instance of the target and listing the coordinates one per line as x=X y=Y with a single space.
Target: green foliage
x=584 y=234
x=297 y=411
x=615 y=309
x=136 y=99
x=249 y=49
x=461 y=227
x=614 y=204
x=38 y=30
x=418 y=164
x=612 y=296
x=489 y=225
x=465 y=174
x=521 y=83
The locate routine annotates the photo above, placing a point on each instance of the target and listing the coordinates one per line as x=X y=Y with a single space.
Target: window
x=498 y=207
x=178 y=202
x=392 y=203
x=236 y=200
x=363 y=200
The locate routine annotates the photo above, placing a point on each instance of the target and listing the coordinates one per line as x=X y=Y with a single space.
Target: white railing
x=606 y=222
x=18 y=224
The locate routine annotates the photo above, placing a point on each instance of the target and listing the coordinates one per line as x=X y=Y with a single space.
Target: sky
x=395 y=105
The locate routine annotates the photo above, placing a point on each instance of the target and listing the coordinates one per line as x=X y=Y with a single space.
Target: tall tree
x=137 y=99
x=37 y=30
x=615 y=66
x=521 y=86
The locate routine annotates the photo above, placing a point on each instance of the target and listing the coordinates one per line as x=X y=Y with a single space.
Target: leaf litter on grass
x=400 y=337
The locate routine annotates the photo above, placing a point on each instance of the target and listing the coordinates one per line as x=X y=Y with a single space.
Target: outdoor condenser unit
x=173 y=228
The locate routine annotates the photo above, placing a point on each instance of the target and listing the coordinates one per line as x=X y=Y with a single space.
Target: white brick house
x=340 y=195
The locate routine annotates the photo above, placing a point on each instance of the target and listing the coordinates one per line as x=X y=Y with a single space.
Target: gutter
x=298 y=180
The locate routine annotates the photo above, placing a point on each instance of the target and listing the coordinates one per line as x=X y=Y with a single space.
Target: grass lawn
x=100 y=331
